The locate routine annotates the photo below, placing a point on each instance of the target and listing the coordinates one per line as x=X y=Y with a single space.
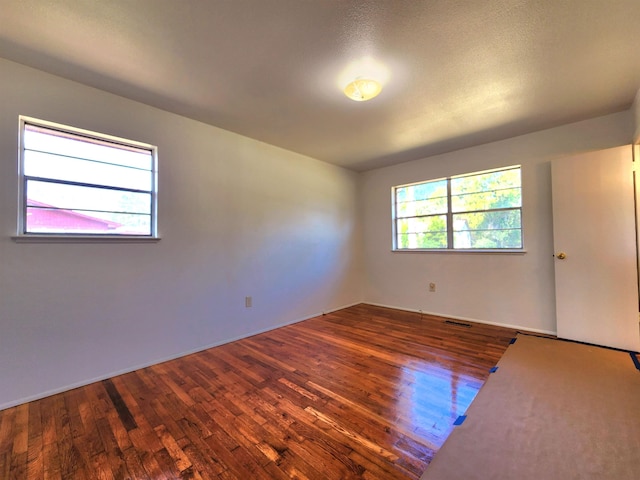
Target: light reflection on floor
x=432 y=397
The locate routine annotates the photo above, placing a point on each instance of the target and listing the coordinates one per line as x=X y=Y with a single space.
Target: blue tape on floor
x=460 y=420
x=634 y=357
x=513 y=340
x=493 y=370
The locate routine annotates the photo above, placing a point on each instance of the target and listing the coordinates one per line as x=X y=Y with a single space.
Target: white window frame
x=65 y=237
x=449 y=216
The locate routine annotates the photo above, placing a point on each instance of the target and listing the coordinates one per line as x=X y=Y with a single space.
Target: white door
x=594 y=230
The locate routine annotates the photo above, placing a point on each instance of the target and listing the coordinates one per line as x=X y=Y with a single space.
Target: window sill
x=82 y=239
x=514 y=251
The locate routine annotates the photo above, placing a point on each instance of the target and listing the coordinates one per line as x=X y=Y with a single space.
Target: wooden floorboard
x=362 y=393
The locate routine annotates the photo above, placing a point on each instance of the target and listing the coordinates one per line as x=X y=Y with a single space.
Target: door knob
x=561 y=256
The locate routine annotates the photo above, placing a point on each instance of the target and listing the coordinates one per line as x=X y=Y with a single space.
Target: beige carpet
x=552 y=410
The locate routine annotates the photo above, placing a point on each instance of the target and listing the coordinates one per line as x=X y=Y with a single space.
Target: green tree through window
x=480 y=210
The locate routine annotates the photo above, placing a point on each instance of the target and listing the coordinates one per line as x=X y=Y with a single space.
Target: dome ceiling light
x=363 y=79
x=362 y=89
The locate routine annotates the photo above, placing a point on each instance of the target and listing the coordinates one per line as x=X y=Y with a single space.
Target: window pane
x=422 y=207
x=45 y=194
x=44 y=165
x=505 y=198
x=422 y=240
x=421 y=199
x=486 y=181
x=47 y=220
x=424 y=232
x=435 y=223
x=67 y=144
x=497 y=229
x=486 y=191
x=422 y=191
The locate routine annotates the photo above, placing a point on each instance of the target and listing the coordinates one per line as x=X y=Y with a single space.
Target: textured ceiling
x=460 y=73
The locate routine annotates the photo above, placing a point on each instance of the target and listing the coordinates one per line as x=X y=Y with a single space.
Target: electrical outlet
x=432 y=287
x=248 y=302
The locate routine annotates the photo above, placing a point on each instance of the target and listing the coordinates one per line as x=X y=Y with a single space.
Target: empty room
x=319 y=239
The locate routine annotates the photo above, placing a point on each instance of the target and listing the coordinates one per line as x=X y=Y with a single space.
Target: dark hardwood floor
x=365 y=392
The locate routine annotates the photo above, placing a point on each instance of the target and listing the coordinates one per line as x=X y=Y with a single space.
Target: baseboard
x=466 y=319
x=83 y=383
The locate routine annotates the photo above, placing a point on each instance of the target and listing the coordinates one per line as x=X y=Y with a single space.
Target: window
x=481 y=210
x=79 y=183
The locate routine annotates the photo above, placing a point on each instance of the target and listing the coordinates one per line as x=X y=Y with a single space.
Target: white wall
x=509 y=289
x=237 y=217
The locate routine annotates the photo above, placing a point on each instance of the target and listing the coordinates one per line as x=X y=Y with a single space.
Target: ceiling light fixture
x=362 y=89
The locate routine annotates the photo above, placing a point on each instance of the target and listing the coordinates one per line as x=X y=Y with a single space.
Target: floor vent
x=457 y=324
